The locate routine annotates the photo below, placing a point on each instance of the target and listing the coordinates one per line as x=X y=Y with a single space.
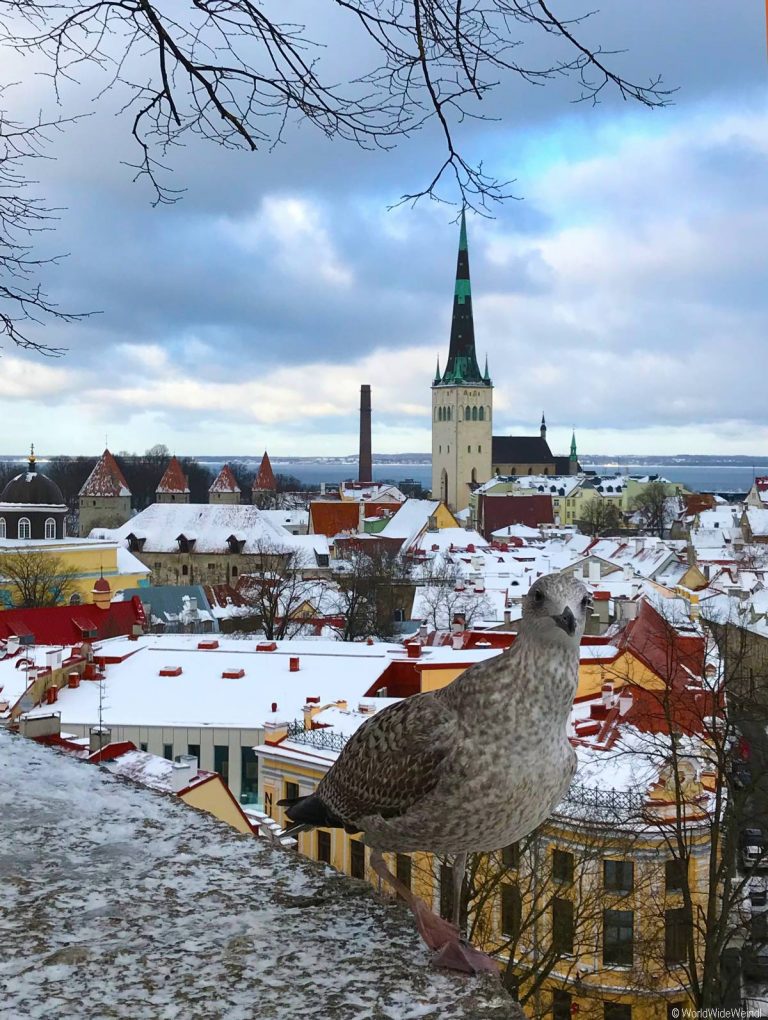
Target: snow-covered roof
x=225 y=481
x=106 y=480
x=378 y=492
x=411 y=519
x=211 y=526
x=174 y=480
x=758 y=520
x=233 y=940
x=135 y=694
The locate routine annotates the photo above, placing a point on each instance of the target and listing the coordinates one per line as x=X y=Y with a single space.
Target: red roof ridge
x=265 y=477
x=174 y=479
x=106 y=479
x=225 y=481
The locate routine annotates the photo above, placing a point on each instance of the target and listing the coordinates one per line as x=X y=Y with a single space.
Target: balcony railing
x=585 y=802
x=322 y=739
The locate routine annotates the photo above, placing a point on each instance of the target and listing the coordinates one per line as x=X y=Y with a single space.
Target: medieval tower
x=462 y=403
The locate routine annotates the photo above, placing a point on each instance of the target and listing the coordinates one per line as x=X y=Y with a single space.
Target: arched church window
x=50 y=528
x=474 y=414
x=2 y=527
x=449 y=413
x=468 y=413
x=25 y=528
x=481 y=414
x=439 y=414
x=474 y=476
x=75 y=600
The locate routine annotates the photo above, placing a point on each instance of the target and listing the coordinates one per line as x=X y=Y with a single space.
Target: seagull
x=469 y=768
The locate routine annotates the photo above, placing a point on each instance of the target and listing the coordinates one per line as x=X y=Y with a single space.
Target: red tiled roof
x=225 y=481
x=174 y=479
x=695 y=502
x=63 y=625
x=500 y=511
x=106 y=479
x=265 y=479
x=329 y=518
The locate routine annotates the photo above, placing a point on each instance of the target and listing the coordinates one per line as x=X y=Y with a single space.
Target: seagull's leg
x=433 y=929
x=458 y=954
x=459 y=871
x=437 y=933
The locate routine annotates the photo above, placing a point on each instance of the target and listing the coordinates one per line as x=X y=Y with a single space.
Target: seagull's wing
x=394 y=760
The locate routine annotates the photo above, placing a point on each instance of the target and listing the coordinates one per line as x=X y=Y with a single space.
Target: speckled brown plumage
x=478 y=764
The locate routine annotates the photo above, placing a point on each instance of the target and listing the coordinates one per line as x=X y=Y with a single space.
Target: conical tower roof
x=265 y=478
x=462 y=366
x=225 y=481
x=106 y=480
x=174 y=479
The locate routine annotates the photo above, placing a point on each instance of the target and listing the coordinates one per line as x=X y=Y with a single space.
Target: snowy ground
x=118 y=902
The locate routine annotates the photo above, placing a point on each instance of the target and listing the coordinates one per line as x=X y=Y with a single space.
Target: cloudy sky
x=624 y=293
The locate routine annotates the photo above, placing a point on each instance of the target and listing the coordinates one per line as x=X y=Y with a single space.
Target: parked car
x=751 y=835
x=756 y=962
x=757 y=890
x=753 y=857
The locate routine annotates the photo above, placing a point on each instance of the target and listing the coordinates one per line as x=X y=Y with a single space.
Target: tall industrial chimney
x=365 y=468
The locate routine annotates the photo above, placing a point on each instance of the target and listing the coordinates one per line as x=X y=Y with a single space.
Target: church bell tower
x=462 y=402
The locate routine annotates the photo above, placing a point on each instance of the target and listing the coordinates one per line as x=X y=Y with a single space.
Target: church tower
x=462 y=402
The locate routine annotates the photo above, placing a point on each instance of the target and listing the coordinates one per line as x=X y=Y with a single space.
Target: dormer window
x=186 y=544
x=135 y=544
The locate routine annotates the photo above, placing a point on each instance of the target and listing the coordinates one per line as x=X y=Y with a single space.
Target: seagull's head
x=556 y=609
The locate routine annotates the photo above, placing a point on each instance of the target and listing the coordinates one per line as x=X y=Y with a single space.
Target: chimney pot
x=274 y=706
x=293 y=664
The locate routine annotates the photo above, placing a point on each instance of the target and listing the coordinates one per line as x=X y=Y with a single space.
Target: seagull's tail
x=308 y=813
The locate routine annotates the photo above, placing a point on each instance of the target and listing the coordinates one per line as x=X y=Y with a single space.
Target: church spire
x=574 y=455
x=543 y=426
x=462 y=366
x=437 y=372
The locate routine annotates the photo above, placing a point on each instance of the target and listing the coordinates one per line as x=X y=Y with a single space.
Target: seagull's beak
x=567 y=621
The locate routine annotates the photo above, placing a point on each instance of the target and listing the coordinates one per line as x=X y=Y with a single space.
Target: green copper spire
x=573 y=446
x=462 y=367
x=486 y=376
x=437 y=371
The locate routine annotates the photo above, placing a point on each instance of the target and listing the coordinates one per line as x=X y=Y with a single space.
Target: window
x=676 y=931
x=481 y=414
x=195 y=750
x=75 y=599
x=25 y=528
x=675 y=874
x=562 y=866
x=221 y=760
x=211 y=566
x=185 y=569
x=562 y=926
x=618 y=936
x=479 y=449
x=469 y=448
x=510 y=856
x=158 y=564
x=50 y=527
x=403 y=869
x=143 y=745
x=474 y=414
x=511 y=910
x=249 y=776
x=2 y=527
x=291 y=791
x=323 y=846
x=616 y=1011
x=561 y=1005
x=449 y=413
x=618 y=876
x=446 y=891
x=168 y=751
x=356 y=858
x=468 y=413
x=234 y=569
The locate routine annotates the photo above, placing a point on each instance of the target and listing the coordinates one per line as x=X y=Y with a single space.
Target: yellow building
x=80 y=560
x=590 y=908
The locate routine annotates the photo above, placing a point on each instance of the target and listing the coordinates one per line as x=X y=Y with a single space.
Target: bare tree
x=372 y=585
x=274 y=587
x=238 y=76
x=445 y=592
x=598 y=517
x=35 y=579
x=23 y=216
x=653 y=509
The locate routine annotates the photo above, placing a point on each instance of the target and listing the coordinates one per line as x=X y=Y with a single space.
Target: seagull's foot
x=435 y=931
x=461 y=956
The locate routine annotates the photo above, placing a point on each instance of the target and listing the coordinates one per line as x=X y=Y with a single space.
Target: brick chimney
x=365 y=467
